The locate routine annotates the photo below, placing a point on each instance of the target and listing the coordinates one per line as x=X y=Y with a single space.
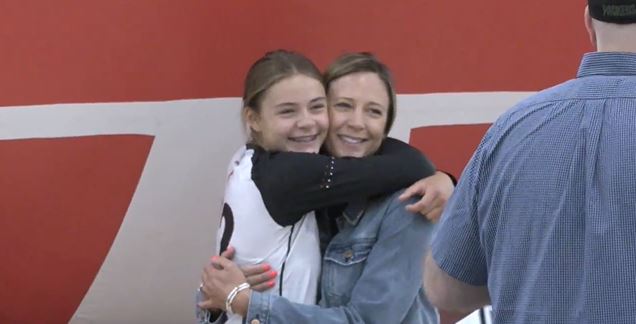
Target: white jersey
x=292 y=251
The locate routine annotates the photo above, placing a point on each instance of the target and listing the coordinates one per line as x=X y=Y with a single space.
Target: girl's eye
x=286 y=112
x=318 y=106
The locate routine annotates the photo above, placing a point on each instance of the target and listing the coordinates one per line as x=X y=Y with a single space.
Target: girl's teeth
x=304 y=139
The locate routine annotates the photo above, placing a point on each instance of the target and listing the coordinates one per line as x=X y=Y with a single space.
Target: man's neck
x=615 y=38
x=616 y=48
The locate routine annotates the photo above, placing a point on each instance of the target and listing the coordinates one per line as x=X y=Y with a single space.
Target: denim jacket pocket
x=343 y=266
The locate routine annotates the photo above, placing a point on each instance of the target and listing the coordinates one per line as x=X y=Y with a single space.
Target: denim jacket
x=371 y=272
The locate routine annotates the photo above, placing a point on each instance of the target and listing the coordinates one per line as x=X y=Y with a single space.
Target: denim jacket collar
x=354 y=211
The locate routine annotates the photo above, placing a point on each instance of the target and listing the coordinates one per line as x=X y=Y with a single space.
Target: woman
x=365 y=276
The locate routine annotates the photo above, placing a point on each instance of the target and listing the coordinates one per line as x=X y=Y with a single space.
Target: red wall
x=120 y=50
x=63 y=201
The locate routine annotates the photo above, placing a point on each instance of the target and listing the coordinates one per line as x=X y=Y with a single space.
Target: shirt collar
x=607 y=64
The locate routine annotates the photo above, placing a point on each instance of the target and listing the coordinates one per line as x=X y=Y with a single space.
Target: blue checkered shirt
x=545 y=212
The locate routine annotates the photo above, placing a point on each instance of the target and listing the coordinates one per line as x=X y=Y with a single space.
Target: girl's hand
x=435 y=191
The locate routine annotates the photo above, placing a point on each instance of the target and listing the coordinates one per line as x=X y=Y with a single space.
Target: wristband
x=232 y=295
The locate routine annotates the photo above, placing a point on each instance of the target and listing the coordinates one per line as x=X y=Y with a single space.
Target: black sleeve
x=292 y=184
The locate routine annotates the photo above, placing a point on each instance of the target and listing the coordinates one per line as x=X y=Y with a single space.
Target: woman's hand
x=261 y=277
x=435 y=191
x=218 y=280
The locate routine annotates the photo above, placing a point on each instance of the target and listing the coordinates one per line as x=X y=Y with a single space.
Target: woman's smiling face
x=358 y=112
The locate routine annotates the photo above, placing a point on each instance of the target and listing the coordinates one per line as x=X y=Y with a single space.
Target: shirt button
x=348 y=254
x=255 y=321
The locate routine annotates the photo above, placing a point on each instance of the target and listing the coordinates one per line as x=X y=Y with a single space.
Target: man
x=543 y=222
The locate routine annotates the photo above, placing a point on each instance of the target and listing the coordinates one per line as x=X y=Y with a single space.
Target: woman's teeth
x=350 y=140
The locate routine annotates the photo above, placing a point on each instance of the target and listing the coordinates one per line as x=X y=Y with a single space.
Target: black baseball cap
x=613 y=11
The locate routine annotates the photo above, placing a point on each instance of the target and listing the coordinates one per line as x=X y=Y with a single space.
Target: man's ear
x=589 y=25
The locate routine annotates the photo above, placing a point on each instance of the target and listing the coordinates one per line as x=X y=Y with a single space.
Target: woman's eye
x=286 y=112
x=344 y=105
x=318 y=106
x=376 y=112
